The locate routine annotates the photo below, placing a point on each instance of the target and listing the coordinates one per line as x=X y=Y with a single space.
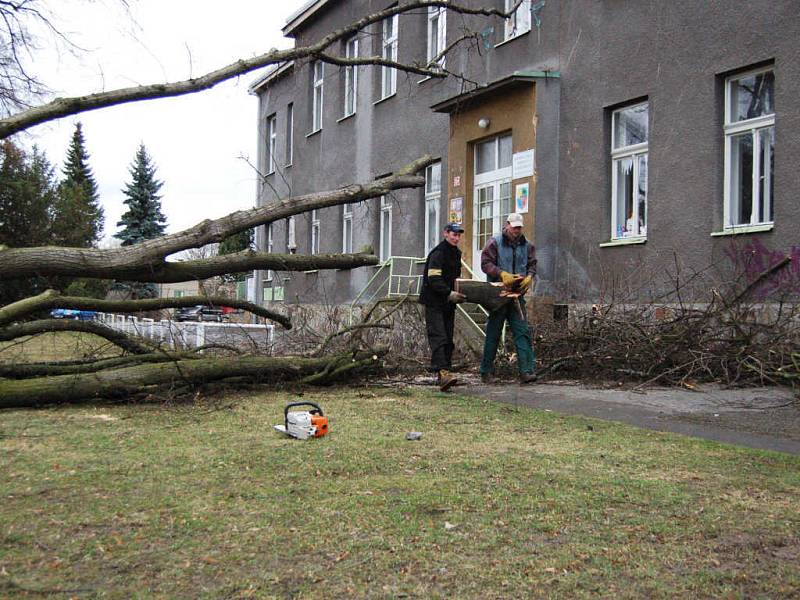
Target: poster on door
x=521 y=198
x=456 y=212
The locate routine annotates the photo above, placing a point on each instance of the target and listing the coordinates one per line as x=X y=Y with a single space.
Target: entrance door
x=492 y=201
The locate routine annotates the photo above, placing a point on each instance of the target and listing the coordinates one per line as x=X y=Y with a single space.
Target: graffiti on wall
x=754 y=258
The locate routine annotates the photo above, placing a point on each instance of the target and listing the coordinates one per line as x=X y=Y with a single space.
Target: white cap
x=515 y=220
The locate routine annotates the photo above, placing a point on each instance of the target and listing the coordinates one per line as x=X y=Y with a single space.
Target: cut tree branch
x=48 y=325
x=51 y=299
x=62 y=107
x=145 y=261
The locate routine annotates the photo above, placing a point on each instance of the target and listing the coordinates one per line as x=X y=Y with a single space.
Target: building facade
x=634 y=135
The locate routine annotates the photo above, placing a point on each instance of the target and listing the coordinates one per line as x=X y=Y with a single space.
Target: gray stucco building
x=634 y=135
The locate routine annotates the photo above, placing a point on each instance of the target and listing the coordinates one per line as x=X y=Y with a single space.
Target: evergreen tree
x=78 y=219
x=238 y=242
x=143 y=219
x=27 y=194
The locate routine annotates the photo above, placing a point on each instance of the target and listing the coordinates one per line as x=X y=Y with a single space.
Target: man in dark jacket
x=508 y=257
x=442 y=268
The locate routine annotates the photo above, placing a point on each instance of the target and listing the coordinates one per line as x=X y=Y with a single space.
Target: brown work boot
x=446 y=380
x=528 y=377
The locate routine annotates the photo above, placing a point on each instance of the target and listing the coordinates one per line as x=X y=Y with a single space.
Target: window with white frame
x=350 y=78
x=385 y=241
x=629 y=142
x=433 y=200
x=289 y=134
x=269 y=248
x=520 y=21
x=437 y=34
x=389 y=42
x=314 y=232
x=318 y=77
x=272 y=141
x=347 y=228
x=749 y=148
x=291 y=242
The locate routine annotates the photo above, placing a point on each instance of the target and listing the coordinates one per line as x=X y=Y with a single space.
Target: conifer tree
x=27 y=194
x=78 y=218
x=143 y=220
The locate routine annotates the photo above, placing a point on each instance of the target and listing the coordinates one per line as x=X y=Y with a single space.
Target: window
x=318 y=70
x=291 y=244
x=272 y=139
x=520 y=21
x=350 y=78
x=177 y=293
x=437 y=34
x=433 y=197
x=289 y=134
x=386 y=229
x=269 y=249
x=749 y=148
x=629 y=135
x=314 y=232
x=389 y=74
x=347 y=228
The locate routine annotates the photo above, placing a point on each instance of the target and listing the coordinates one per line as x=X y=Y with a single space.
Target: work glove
x=525 y=285
x=508 y=279
x=456 y=297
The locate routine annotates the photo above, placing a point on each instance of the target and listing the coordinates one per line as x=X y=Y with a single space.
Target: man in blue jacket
x=442 y=268
x=508 y=257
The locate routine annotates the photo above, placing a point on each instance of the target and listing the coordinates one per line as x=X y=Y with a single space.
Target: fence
x=258 y=338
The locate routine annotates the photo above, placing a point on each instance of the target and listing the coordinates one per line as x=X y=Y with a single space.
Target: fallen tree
x=142 y=366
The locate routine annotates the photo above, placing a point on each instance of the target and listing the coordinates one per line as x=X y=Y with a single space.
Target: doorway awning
x=515 y=79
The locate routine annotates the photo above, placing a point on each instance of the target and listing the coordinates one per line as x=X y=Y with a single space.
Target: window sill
x=270 y=173
x=384 y=99
x=315 y=132
x=344 y=118
x=287 y=166
x=743 y=229
x=624 y=242
x=421 y=81
x=512 y=38
x=311 y=272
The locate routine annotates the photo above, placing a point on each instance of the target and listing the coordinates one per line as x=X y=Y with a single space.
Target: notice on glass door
x=522 y=164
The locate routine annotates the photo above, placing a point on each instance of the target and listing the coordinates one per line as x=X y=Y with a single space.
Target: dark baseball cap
x=454 y=227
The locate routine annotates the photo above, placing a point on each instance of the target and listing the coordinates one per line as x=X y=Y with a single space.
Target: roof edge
x=269 y=76
x=301 y=15
x=446 y=106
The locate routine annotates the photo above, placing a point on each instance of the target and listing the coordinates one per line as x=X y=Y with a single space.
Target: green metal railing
x=396 y=277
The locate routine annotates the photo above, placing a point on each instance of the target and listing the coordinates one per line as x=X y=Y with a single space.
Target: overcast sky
x=196 y=140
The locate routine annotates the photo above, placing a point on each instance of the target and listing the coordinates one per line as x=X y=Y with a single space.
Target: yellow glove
x=526 y=284
x=508 y=279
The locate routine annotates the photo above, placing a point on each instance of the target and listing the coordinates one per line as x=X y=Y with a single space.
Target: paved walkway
x=765 y=418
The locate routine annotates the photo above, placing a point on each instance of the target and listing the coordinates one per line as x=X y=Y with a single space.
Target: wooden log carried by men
x=489 y=295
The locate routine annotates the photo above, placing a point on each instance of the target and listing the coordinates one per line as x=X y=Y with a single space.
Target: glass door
x=492 y=201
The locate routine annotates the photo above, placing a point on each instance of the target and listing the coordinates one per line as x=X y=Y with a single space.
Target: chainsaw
x=303 y=424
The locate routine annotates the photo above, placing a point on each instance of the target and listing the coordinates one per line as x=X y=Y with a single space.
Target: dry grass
x=494 y=502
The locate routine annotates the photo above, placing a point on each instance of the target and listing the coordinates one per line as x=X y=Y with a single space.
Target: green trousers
x=526 y=357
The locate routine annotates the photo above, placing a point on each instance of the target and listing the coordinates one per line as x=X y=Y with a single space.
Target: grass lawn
x=56 y=346
x=493 y=502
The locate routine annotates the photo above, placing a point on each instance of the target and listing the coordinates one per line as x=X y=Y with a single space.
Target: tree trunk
x=86 y=387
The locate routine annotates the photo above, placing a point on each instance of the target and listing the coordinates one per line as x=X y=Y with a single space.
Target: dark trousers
x=526 y=357
x=439 y=322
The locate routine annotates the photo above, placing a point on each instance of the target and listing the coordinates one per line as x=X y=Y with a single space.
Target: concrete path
x=765 y=418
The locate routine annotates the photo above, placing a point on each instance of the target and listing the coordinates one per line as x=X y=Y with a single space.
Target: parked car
x=200 y=313
x=70 y=313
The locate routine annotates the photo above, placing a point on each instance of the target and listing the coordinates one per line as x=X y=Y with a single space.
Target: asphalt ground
x=766 y=418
